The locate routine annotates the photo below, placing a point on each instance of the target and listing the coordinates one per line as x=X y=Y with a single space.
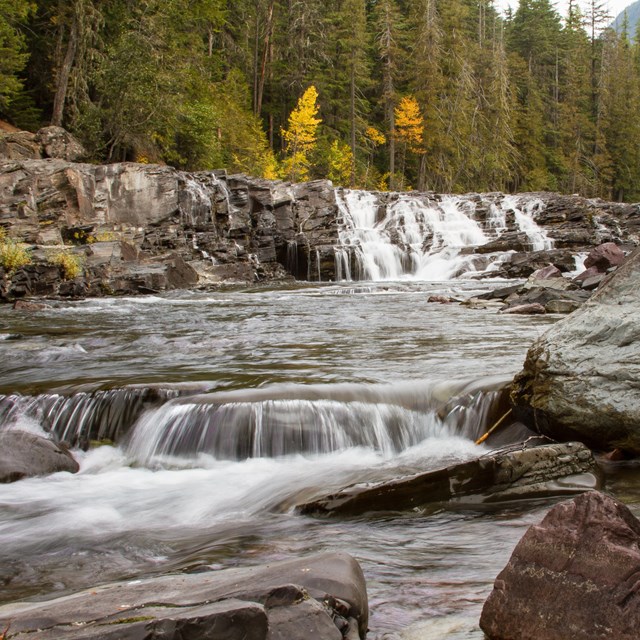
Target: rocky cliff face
x=139 y=228
x=144 y=228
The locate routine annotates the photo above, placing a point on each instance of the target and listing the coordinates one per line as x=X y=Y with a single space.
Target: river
x=364 y=364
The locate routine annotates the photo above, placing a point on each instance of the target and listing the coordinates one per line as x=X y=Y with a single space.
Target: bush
x=70 y=264
x=13 y=255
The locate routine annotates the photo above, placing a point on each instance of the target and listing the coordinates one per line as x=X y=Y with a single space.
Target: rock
x=500 y=294
x=27 y=305
x=605 y=256
x=546 y=273
x=294 y=599
x=440 y=299
x=555 y=469
x=19 y=145
x=522 y=265
x=561 y=306
x=587 y=273
x=24 y=455
x=542 y=296
x=559 y=284
x=56 y=142
x=228 y=620
x=580 y=378
x=593 y=282
x=572 y=577
x=532 y=308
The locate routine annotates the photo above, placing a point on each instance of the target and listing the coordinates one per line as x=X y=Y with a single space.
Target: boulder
x=605 y=256
x=580 y=378
x=542 y=295
x=56 y=142
x=522 y=265
x=561 y=306
x=322 y=596
x=546 y=273
x=574 y=576
x=509 y=474
x=25 y=455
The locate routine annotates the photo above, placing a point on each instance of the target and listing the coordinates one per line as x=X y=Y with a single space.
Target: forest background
x=447 y=95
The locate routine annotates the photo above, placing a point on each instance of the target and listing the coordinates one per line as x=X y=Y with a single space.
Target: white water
x=376 y=353
x=525 y=211
x=427 y=239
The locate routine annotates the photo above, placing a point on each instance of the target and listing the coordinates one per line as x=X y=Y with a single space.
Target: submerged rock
x=580 y=378
x=322 y=597
x=512 y=474
x=572 y=577
x=24 y=455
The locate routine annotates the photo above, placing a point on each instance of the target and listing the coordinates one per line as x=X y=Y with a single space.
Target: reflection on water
x=170 y=509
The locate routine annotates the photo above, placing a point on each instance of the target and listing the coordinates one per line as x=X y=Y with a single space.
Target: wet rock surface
x=322 y=596
x=25 y=455
x=580 y=379
x=232 y=228
x=571 y=577
x=503 y=475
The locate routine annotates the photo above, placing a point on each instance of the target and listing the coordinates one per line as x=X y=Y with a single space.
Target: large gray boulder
x=24 y=455
x=511 y=474
x=322 y=596
x=580 y=379
x=572 y=577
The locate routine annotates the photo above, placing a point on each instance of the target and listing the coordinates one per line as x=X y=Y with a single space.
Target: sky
x=615 y=6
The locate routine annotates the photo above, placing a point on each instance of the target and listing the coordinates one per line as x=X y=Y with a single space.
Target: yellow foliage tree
x=409 y=130
x=300 y=136
x=410 y=124
x=340 y=162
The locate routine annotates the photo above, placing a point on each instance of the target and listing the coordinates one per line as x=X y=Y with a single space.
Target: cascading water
x=227 y=408
x=524 y=212
x=292 y=419
x=423 y=237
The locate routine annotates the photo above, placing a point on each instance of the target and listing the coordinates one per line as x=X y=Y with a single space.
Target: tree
x=388 y=22
x=300 y=136
x=13 y=56
x=409 y=128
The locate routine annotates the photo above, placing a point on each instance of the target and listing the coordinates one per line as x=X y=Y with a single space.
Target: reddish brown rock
x=546 y=273
x=574 y=576
x=605 y=256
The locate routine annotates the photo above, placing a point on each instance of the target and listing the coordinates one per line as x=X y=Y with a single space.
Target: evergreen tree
x=13 y=54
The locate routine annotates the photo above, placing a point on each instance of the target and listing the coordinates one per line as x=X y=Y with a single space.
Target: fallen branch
x=481 y=439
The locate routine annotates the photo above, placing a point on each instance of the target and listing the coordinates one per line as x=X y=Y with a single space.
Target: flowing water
x=229 y=408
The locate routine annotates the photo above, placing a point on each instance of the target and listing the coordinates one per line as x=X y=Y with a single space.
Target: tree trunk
x=352 y=98
x=265 y=57
x=62 y=81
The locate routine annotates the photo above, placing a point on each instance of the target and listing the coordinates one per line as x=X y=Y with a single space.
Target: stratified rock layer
x=572 y=577
x=581 y=379
x=322 y=597
x=512 y=474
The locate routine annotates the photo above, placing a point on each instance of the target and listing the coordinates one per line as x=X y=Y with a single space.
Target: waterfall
x=427 y=237
x=524 y=212
x=293 y=420
x=79 y=418
x=412 y=237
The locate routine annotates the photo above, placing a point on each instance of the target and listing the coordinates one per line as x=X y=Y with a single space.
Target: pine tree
x=13 y=55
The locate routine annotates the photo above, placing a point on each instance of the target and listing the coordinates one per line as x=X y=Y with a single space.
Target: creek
x=218 y=412
x=377 y=358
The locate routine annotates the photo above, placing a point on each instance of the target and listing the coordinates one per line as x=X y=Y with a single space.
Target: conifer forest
x=443 y=95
